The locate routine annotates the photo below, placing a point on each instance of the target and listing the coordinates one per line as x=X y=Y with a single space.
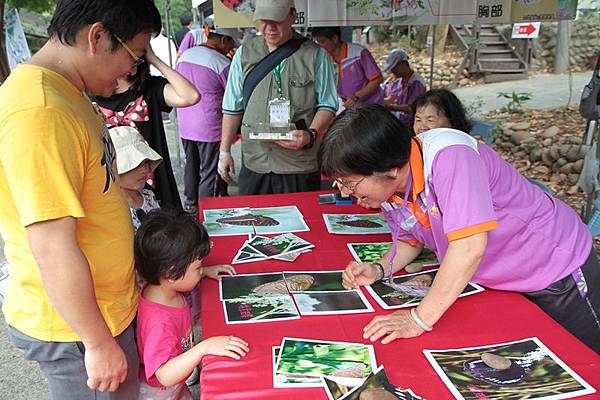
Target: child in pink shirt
x=169 y=248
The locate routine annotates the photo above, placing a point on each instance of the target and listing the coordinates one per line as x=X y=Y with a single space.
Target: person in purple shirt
x=359 y=76
x=486 y=223
x=207 y=67
x=403 y=87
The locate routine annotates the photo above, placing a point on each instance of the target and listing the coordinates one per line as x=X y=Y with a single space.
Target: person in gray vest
x=300 y=89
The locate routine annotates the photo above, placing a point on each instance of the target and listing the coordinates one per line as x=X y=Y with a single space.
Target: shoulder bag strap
x=267 y=64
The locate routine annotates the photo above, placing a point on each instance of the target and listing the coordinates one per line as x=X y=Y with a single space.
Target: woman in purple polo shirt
x=359 y=76
x=484 y=220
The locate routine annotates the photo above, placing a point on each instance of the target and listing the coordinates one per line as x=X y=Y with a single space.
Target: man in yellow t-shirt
x=69 y=241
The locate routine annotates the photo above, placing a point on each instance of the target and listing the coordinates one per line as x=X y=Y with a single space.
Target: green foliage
x=478 y=43
x=177 y=9
x=40 y=6
x=516 y=100
x=364 y=7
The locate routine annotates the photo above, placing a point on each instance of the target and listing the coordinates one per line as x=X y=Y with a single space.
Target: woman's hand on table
x=392 y=326
x=359 y=274
x=216 y=271
x=229 y=346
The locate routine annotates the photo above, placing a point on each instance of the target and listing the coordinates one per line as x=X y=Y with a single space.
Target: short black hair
x=123 y=18
x=327 y=31
x=447 y=103
x=166 y=243
x=364 y=141
x=186 y=19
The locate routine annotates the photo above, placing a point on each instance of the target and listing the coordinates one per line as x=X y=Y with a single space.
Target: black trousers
x=200 y=175
x=563 y=303
x=251 y=182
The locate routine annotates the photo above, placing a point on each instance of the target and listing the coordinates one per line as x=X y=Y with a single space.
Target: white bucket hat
x=394 y=58
x=273 y=10
x=132 y=149
x=233 y=33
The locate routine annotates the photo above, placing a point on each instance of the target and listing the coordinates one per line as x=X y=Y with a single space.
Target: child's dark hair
x=167 y=243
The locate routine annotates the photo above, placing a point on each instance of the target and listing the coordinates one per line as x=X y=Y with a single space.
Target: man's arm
x=226 y=166
x=233 y=112
x=68 y=282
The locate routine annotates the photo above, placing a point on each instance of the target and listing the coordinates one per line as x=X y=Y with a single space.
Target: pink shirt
x=465 y=188
x=162 y=333
x=356 y=69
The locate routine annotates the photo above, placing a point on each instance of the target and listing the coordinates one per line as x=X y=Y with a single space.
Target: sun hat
x=273 y=10
x=132 y=149
x=394 y=58
x=233 y=33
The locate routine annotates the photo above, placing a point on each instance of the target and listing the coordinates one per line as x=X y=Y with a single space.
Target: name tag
x=279 y=113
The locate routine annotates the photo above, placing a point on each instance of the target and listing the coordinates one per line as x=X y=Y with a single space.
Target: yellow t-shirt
x=57 y=160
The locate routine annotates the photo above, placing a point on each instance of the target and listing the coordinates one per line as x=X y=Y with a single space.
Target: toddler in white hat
x=135 y=162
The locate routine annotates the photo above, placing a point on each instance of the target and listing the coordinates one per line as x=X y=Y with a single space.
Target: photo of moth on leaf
x=256 y=298
x=285 y=247
x=408 y=290
x=246 y=220
x=376 y=386
x=356 y=224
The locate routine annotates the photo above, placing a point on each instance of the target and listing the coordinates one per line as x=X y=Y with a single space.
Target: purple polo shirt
x=534 y=239
x=207 y=70
x=405 y=93
x=355 y=70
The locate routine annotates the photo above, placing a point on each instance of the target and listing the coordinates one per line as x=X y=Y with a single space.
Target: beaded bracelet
x=381 y=269
x=419 y=321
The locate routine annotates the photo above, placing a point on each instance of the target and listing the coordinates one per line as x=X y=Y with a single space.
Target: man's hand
x=226 y=166
x=106 y=366
x=301 y=139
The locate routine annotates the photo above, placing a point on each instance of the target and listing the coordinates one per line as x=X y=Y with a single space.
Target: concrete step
x=502 y=53
x=501 y=64
x=503 y=77
x=499 y=46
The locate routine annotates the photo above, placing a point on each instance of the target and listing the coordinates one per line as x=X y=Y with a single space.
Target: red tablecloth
x=486 y=318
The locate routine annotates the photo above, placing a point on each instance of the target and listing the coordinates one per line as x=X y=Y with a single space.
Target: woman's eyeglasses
x=137 y=60
x=350 y=187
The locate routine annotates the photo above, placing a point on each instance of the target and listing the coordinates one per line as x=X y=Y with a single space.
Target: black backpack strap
x=267 y=64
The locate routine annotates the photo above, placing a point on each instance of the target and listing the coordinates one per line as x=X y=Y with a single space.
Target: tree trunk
x=561 y=58
x=4 y=68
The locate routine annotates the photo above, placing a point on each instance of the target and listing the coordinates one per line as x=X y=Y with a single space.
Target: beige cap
x=273 y=10
x=132 y=149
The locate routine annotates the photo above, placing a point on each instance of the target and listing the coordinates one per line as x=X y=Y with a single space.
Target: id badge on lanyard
x=279 y=109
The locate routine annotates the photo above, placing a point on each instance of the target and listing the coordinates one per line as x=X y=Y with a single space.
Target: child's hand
x=229 y=346
x=216 y=271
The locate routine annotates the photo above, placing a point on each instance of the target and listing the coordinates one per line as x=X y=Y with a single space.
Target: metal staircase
x=490 y=54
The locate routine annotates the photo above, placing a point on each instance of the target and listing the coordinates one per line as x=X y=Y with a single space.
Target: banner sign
x=506 y=11
x=238 y=13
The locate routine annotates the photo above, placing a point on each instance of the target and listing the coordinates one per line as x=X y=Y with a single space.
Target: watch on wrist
x=313 y=138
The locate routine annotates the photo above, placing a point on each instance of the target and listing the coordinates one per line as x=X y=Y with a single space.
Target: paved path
x=547 y=90
x=22 y=380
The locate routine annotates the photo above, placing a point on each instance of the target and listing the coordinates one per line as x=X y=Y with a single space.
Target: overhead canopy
x=406 y=12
